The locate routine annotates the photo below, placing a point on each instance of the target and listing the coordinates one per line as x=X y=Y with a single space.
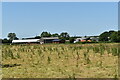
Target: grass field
x=60 y=61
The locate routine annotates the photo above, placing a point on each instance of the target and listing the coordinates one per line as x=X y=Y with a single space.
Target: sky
x=60 y=0
x=28 y=19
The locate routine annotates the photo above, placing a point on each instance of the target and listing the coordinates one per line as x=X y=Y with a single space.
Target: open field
x=60 y=61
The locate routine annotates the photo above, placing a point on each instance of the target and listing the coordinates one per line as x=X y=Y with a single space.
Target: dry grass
x=60 y=61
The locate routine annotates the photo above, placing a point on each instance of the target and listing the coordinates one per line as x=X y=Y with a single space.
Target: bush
x=5 y=41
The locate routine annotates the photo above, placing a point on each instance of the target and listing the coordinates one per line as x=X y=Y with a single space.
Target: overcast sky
x=28 y=19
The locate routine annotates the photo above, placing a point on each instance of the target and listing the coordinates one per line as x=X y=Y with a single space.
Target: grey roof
x=49 y=38
x=56 y=40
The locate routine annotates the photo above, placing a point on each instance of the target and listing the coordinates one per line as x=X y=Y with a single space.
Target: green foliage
x=12 y=36
x=18 y=56
x=115 y=37
x=45 y=34
x=37 y=37
x=8 y=54
x=6 y=41
x=86 y=57
x=115 y=51
x=55 y=35
x=104 y=36
x=112 y=36
x=49 y=59
x=64 y=35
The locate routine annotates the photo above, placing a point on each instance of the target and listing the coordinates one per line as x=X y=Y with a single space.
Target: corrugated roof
x=49 y=38
x=56 y=40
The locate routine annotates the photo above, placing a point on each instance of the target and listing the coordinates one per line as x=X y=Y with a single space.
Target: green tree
x=6 y=41
x=12 y=36
x=45 y=34
x=105 y=36
x=64 y=35
x=115 y=37
x=111 y=31
x=55 y=35
x=37 y=37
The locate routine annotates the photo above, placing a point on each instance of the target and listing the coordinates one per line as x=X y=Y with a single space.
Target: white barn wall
x=28 y=40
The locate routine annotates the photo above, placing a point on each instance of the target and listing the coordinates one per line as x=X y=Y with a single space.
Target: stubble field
x=60 y=61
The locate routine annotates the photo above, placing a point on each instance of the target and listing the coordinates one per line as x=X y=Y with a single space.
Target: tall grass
x=62 y=59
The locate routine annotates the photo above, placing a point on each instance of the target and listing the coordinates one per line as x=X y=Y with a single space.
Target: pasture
x=98 y=60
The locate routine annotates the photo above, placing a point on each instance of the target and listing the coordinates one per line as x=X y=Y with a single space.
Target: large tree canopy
x=64 y=35
x=115 y=37
x=105 y=36
x=12 y=36
x=45 y=34
x=55 y=35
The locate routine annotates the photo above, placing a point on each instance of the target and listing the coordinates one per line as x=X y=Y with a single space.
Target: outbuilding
x=48 y=39
x=56 y=41
x=26 y=41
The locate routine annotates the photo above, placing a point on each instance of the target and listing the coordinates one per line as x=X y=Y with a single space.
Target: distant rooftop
x=49 y=38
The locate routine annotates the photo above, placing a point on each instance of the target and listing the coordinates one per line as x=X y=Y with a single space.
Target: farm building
x=95 y=39
x=26 y=41
x=48 y=39
x=58 y=41
x=40 y=41
x=83 y=39
x=89 y=39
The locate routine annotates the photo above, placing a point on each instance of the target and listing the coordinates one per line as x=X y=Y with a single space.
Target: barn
x=48 y=39
x=58 y=41
x=83 y=39
x=42 y=40
x=26 y=41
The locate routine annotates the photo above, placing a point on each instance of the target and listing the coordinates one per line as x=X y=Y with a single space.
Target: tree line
x=63 y=35
x=111 y=36
x=107 y=36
